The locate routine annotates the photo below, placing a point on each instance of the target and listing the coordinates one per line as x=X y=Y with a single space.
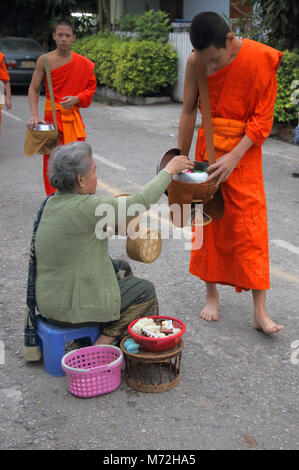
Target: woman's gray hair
x=67 y=162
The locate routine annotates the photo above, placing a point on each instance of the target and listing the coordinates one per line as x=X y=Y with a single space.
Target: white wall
x=183 y=47
x=192 y=7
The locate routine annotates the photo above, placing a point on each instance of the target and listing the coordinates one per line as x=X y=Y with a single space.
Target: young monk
x=74 y=85
x=4 y=77
x=241 y=76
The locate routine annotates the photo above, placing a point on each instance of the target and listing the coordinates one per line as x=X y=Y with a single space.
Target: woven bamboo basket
x=146 y=247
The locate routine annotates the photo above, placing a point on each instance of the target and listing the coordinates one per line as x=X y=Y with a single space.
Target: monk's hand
x=69 y=101
x=178 y=164
x=8 y=102
x=34 y=121
x=223 y=168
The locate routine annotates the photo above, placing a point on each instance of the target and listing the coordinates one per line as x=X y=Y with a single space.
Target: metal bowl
x=166 y=157
x=186 y=177
x=45 y=127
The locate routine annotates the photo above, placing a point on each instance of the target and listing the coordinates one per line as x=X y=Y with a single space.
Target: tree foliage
x=35 y=18
x=287 y=101
x=150 y=25
x=278 y=21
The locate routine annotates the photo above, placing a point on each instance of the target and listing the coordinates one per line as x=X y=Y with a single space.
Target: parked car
x=21 y=55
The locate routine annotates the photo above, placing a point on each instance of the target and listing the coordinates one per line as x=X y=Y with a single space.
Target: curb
x=112 y=95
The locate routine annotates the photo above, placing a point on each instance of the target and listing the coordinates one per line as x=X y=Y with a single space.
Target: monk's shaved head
x=64 y=22
x=208 y=29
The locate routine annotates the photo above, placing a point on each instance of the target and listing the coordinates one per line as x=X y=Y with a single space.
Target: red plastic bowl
x=158 y=344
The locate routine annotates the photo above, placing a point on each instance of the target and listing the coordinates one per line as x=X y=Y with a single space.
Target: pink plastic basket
x=94 y=370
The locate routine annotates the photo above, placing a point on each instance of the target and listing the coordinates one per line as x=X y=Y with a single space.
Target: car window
x=20 y=45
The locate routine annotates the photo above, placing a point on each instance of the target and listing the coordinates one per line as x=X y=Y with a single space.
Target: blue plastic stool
x=52 y=341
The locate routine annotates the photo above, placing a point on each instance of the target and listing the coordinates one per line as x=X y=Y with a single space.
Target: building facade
x=177 y=9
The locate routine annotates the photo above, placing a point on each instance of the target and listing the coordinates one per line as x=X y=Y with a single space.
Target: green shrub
x=130 y=67
x=99 y=48
x=286 y=110
x=104 y=60
x=127 y=22
x=153 y=26
x=86 y=47
x=144 y=67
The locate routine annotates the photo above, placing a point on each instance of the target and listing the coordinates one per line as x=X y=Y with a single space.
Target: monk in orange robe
x=241 y=77
x=4 y=77
x=74 y=85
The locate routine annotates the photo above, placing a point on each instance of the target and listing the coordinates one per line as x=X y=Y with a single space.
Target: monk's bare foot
x=210 y=312
x=261 y=319
x=263 y=322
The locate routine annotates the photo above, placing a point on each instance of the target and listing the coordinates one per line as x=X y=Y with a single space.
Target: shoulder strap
x=206 y=111
x=49 y=80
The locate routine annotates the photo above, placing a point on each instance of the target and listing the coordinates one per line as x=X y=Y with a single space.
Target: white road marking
x=288 y=246
x=108 y=162
x=276 y=271
x=137 y=185
x=108 y=188
x=6 y=113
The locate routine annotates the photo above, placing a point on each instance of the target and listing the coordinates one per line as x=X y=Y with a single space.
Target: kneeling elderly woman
x=76 y=280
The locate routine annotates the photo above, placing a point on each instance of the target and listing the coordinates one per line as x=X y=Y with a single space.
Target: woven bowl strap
x=49 y=80
x=206 y=112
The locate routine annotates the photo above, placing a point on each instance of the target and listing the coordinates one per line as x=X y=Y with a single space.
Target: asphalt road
x=238 y=388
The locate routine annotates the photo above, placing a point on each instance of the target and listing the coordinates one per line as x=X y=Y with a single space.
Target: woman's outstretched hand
x=178 y=164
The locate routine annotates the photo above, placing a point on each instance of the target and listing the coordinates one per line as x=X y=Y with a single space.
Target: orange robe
x=75 y=78
x=4 y=77
x=242 y=97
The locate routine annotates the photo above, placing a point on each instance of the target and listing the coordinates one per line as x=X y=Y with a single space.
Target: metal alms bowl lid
x=198 y=175
x=166 y=157
x=184 y=176
x=174 y=152
x=45 y=127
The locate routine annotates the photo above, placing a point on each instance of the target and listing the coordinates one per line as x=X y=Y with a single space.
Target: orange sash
x=227 y=134
x=72 y=125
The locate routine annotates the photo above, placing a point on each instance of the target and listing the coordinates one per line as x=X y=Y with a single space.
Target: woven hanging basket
x=205 y=219
x=146 y=247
